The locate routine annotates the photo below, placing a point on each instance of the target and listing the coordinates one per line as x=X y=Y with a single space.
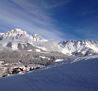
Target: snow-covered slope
x=78 y=76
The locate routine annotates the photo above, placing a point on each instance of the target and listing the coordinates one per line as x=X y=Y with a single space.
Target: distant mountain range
x=18 y=39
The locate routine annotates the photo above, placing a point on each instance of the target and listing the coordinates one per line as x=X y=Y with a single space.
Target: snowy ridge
x=18 y=39
x=84 y=58
x=75 y=47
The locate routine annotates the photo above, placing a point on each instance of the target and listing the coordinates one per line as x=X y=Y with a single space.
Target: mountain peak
x=38 y=38
x=16 y=31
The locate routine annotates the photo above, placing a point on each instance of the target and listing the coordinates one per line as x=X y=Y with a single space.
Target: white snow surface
x=59 y=60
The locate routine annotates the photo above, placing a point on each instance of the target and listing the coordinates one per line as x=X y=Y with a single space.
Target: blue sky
x=53 y=19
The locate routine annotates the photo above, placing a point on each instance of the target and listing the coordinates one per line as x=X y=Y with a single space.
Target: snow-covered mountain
x=79 y=47
x=18 y=39
x=21 y=35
